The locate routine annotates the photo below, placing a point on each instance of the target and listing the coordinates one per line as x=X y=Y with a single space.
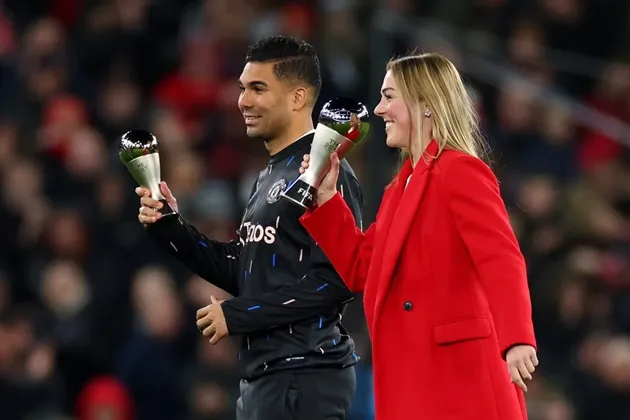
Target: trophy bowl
x=348 y=117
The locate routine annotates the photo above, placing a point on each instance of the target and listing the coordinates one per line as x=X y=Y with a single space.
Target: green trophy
x=343 y=123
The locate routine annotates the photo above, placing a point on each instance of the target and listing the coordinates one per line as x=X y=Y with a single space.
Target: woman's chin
x=393 y=142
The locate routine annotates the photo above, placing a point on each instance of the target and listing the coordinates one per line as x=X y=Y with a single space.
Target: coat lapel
x=401 y=212
x=390 y=207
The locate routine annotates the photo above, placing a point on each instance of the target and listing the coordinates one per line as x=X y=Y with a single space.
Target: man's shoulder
x=348 y=178
x=346 y=168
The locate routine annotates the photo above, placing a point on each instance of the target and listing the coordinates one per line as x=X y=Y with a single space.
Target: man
x=288 y=300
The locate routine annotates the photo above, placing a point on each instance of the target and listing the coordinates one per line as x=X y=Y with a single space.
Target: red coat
x=445 y=290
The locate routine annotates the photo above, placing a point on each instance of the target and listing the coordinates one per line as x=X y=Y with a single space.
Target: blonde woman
x=444 y=281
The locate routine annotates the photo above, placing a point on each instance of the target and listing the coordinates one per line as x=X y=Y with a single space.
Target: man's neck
x=279 y=143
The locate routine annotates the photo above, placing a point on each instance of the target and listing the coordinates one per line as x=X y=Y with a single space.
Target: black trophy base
x=167 y=210
x=302 y=194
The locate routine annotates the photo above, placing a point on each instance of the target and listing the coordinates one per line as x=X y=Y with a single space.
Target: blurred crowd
x=95 y=319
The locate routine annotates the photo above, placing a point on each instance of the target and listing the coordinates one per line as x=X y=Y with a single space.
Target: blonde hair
x=433 y=80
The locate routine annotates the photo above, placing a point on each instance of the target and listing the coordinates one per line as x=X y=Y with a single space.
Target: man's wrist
x=236 y=315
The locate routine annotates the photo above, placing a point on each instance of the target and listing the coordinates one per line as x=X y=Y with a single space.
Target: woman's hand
x=328 y=187
x=522 y=362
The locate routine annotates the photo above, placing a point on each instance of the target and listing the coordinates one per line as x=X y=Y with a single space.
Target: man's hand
x=211 y=321
x=149 y=211
x=522 y=362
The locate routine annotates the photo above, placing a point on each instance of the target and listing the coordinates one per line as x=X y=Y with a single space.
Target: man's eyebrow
x=254 y=83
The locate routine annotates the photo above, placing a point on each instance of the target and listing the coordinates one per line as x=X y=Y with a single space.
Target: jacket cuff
x=165 y=226
x=233 y=319
x=329 y=209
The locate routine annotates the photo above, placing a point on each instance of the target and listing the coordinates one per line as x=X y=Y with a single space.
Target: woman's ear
x=427 y=111
x=427 y=126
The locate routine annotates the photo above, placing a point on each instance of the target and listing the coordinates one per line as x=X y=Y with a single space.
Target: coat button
x=408 y=306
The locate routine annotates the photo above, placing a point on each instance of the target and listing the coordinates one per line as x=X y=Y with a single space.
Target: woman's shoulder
x=453 y=160
x=463 y=170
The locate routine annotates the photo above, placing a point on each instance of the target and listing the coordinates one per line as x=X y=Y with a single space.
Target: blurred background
x=97 y=322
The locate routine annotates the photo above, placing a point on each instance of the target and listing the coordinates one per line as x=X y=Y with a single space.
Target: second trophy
x=343 y=123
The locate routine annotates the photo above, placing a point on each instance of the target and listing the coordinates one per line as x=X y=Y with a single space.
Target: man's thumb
x=213 y=299
x=166 y=191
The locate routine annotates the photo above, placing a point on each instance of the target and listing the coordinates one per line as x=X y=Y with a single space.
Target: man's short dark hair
x=295 y=60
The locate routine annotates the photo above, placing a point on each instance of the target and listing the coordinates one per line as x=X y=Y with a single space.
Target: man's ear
x=300 y=98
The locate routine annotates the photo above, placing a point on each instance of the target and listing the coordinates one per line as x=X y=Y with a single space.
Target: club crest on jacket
x=276 y=189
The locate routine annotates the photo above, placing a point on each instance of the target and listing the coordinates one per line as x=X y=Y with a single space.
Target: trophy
x=343 y=123
x=138 y=150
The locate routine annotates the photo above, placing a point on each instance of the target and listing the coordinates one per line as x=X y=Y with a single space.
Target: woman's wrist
x=324 y=196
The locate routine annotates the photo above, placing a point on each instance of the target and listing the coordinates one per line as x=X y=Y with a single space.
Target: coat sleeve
x=474 y=200
x=318 y=291
x=334 y=229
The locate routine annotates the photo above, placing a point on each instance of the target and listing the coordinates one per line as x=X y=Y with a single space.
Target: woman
x=444 y=282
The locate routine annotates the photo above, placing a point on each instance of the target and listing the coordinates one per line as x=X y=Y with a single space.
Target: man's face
x=265 y=101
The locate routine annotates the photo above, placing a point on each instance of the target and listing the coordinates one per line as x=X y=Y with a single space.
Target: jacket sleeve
x=348 y=248
x=474 y=200
x=320 y=289
x=216 y=262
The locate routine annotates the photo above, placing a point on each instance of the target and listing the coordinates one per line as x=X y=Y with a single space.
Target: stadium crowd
x=92 y=311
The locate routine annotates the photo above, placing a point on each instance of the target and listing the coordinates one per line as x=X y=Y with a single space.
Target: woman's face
x=393 y=110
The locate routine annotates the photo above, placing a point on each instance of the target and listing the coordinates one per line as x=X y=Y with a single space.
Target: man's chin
x=254 y=132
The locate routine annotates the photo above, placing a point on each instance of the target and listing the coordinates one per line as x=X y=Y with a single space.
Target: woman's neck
x=416 y=155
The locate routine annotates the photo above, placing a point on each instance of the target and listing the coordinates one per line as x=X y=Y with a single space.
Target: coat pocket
x=461 y=330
